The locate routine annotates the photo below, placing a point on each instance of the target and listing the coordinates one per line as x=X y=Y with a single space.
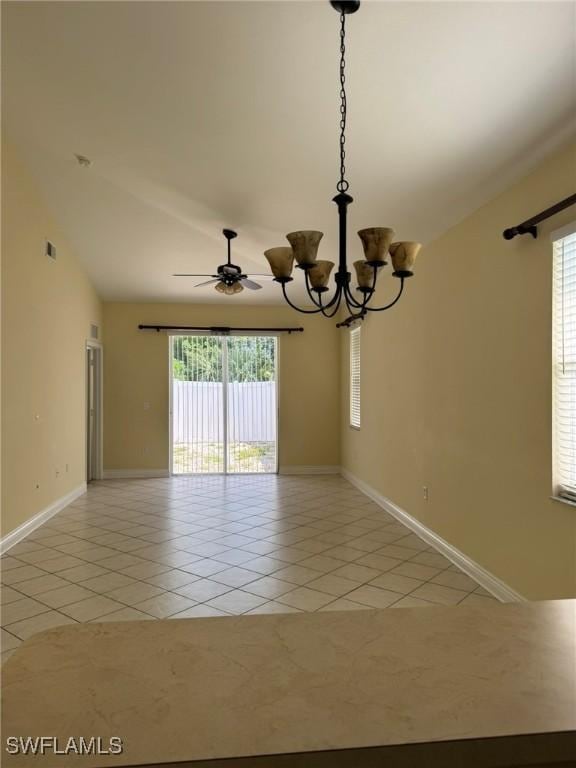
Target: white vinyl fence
x=198 y=436
x=197 y=411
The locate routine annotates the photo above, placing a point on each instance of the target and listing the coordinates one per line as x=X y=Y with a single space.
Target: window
x=355 y=378
x=564 y=363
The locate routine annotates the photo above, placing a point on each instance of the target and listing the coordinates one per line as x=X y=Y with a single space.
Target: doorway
x=224 y=404
x=93 y=412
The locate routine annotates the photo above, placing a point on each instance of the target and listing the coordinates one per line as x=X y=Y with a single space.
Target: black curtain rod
x=220 y=329
x=529 y=227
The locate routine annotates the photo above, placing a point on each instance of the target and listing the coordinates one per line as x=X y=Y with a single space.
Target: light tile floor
x=213 y=546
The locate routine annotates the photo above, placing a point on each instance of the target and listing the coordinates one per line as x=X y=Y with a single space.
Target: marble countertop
x=208 y=689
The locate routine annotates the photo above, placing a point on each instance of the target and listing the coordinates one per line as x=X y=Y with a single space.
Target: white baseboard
x=32 y=523
x=312 y=469
x=485 y=579
x=131 y=474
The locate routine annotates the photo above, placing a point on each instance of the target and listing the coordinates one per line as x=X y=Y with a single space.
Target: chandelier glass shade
x=377 y=242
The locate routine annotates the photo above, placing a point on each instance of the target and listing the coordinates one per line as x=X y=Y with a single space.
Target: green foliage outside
x=199 y=358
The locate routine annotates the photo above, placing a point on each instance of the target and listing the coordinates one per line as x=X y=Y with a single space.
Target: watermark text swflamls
x=74 y=745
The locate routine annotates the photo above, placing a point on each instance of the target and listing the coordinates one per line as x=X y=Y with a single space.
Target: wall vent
x=93 y=331
x=50 y=250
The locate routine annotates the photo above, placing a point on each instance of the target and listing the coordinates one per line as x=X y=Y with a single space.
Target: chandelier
x=377 y=241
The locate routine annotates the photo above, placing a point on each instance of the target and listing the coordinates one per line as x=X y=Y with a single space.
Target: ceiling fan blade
x=207 y=282
x=250 y=284
x=257 y=274
x=188 y=274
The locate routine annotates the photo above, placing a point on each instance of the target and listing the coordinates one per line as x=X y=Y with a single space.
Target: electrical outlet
x=425 y=492
x=57 y=473
x=146 y=406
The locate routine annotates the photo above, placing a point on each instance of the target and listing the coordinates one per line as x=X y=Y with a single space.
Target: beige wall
x=456 y=393
x=136 y=371
x=47 y=308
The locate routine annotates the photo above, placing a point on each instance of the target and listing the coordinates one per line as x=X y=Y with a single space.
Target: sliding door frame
x=225 y=401
x=225 y=384
x=170 y=338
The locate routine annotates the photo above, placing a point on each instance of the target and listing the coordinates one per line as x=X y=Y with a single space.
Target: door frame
x=98 y=421
x=225 y=353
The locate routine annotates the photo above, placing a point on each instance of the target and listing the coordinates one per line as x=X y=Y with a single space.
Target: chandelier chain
x=342 y=185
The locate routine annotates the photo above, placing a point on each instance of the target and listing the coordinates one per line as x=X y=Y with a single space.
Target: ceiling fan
x=230 y=278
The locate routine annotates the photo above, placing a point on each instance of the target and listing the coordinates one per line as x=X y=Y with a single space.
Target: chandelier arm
x=381 y=309
x=318 y=303
x=365 y=301
x=374 y=279
x=309 y=292
x=303 y=311
x=352 y=302
x=336 y=308
x=367 y=296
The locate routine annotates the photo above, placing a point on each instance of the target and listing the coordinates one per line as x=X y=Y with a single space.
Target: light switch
x=146 y=406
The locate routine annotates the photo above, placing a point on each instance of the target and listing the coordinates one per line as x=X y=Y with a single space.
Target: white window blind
x=564 y=365
x=355 y=378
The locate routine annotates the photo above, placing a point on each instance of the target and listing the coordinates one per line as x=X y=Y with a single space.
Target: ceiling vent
x=50 y=250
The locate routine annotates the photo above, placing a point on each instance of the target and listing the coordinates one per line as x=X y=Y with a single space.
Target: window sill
x=563 y=501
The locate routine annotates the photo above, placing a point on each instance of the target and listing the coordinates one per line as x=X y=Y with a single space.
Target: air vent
x=50 y=250
x=93 y=331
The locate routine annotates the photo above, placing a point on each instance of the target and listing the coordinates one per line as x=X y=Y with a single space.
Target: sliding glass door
x=197 y=408
x=250 y=403
x=223 y=404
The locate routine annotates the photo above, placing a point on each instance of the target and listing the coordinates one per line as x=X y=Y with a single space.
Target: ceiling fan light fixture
x=376 y=241
x=229 y=289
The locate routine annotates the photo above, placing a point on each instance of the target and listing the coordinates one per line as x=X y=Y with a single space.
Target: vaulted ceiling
x=200 y=115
